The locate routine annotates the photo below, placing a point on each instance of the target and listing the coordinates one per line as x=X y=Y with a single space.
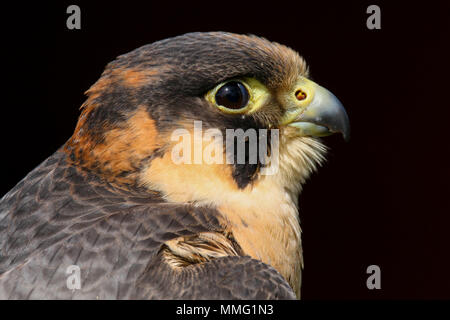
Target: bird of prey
x=113 y=205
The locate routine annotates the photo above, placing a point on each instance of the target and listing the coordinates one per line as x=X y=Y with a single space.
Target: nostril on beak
x=300 y=95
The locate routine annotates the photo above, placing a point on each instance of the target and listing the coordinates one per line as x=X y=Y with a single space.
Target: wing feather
x=58 y=216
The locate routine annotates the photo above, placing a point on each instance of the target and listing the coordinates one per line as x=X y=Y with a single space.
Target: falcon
x=114 y=205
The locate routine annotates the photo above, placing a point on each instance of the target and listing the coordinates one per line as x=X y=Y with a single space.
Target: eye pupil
x=232 y=95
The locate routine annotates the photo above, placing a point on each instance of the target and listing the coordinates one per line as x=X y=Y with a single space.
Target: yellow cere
x=297 y=98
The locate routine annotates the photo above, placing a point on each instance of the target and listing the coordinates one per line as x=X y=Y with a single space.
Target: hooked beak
x=315 y=111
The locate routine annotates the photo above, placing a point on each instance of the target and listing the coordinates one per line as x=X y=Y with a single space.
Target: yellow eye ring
x=232 y=96
x=257 y=96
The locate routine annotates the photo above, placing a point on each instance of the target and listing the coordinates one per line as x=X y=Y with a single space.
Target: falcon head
x=223 y=81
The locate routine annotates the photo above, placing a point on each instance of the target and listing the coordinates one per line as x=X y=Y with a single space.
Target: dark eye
x=232 y=95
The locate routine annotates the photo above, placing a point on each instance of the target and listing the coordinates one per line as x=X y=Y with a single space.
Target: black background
x=382 y=198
